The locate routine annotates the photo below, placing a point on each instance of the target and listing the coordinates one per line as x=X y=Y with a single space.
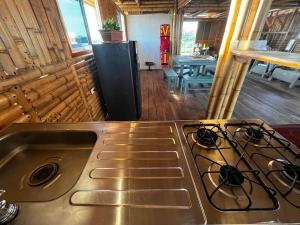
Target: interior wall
x=211 y=33
x=145 y=29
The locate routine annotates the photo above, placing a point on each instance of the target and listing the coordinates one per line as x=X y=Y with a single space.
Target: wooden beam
x=126 y=7
x=197 y=13
x=138 y=2
x=144 y=10
x=146 y=3
x=291 y=60
x=207 y=7
x=183 y=3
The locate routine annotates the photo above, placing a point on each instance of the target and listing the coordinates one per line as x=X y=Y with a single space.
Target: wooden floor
x=273 y=102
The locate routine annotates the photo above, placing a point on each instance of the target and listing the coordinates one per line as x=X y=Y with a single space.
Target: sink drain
x=43 y=174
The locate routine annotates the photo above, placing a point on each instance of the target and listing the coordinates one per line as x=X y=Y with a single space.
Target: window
x=123 y=26
x=189 y=30
x=93 y=20
x=74 y=23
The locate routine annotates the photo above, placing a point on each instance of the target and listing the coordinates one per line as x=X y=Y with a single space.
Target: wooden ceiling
x=145 y=6
x=191 y=8
x=219 y=8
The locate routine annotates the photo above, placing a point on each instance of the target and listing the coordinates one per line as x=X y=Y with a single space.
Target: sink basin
x=42 y=165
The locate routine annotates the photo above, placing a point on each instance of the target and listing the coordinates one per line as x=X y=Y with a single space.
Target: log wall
x=40 y=81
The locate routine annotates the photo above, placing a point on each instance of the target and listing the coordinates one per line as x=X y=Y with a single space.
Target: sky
x=190 y=26
x=72 y=16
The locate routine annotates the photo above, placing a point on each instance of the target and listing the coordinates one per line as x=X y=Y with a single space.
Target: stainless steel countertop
x=136 y=174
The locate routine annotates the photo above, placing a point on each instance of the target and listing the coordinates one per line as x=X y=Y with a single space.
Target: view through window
x=74 y=23
x=123 y=28
x=189 y=30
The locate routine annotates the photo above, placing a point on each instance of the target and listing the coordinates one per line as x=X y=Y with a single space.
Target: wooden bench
x=195 y=83
x=210 y=70
x=290 y=76
x=172 y=79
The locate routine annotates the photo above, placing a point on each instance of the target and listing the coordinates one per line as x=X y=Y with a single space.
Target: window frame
x=81 y=50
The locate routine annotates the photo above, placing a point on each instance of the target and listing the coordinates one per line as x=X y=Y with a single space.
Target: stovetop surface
x=244 y=167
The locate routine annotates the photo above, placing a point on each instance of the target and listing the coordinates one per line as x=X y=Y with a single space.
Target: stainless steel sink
x=42 y=165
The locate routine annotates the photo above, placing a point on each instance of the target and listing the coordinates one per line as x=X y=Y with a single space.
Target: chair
x=172 y=79
x=195 y=82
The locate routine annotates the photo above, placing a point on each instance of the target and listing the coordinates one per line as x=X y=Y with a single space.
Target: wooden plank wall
x=108 y=10
x=211 y=32
x=40 y=82
x=280 y=27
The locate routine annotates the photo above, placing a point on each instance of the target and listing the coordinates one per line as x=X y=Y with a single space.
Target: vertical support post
x=245 y=22
x=176 y=28
x=173 y=35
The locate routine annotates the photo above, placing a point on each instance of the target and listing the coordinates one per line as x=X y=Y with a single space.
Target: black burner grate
x=292 y=172
x=206 y=137
x=280 y=147
x=230 y=175
x=233 y=176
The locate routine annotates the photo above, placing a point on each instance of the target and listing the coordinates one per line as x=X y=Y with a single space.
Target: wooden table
x=193 y=61
x=198 y=62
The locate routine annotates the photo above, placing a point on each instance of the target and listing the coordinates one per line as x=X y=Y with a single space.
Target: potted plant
x=111 y=31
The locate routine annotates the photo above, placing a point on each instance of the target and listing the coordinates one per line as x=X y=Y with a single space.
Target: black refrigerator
x=117 y=79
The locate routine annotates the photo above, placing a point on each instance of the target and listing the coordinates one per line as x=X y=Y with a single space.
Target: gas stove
x=244 y=171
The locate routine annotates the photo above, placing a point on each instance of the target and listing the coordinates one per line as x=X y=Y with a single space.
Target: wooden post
x=173 y=35
x=244 y=23
x=176 y=28
x=222 y=75
x=256 y=21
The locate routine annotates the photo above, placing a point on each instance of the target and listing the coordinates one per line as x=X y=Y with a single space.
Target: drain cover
x=43 y=174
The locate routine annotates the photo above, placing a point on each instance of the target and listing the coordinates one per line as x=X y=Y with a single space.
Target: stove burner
x=206 y=137
x=292 y=172
x=233 y=175
x=254 y=134
x=43 y=174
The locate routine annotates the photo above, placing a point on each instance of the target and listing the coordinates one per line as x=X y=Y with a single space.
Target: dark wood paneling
x=108 y=10
x=211 y=33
